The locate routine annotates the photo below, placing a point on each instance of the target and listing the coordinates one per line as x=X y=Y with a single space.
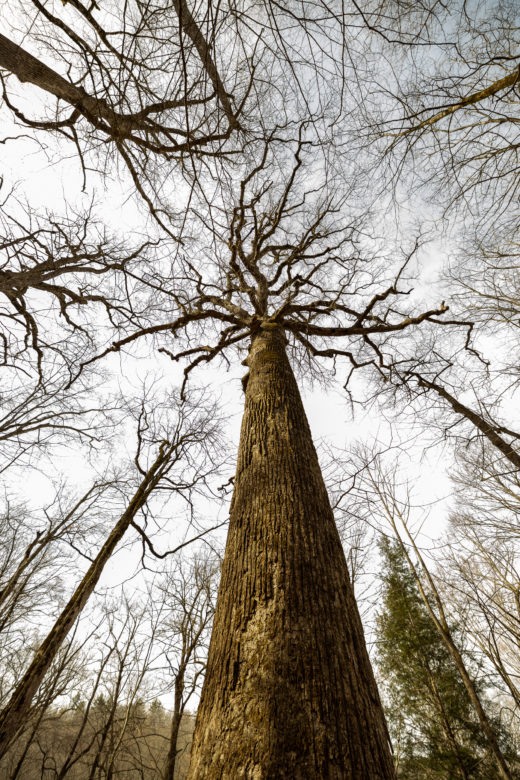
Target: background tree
x=441 y=124
x=480 y=565
x=431 y=718
x=97 y=712
x=384 y=494
x=188 y=589
x=26 y=748
x=36 y=552
x=195 y=429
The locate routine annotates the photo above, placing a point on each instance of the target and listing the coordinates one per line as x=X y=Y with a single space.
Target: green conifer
x=434 y=729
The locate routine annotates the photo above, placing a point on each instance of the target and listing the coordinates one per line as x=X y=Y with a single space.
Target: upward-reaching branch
x=285 y=256
x=416 y=124
x=491 y=430
x=149 y=127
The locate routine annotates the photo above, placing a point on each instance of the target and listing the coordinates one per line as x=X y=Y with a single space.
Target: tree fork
x=289 y=690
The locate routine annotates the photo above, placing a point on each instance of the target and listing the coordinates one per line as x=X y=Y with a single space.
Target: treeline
x=98 y=739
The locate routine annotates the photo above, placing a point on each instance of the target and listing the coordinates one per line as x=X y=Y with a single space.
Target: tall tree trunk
x=289 y=690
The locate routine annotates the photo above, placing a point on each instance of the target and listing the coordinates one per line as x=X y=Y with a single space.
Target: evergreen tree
x=434 y=728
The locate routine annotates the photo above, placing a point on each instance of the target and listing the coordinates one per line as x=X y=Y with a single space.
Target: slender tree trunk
x=171 y=759
x=446 y=725
x=15 y=712
x=289 y=690
x=491 y=432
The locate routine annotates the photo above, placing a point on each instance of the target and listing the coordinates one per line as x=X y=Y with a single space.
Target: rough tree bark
x=289 y=690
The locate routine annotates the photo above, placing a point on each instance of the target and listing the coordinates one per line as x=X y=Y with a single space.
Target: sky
x=54 y=182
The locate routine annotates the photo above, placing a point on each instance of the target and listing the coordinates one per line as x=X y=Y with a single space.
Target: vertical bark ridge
x=289 y=689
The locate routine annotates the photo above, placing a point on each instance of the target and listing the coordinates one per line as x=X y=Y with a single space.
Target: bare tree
x=480 y=566
x=288 y=268
x=89 y=716
x=181 y=86
x=36 y=550
x=159 y=59
x=36 y=419
x=192 y=431
x=448 y=102
x=27 y=748
x=483 y=422
x=53 y=268
x=268 y=265
x=188 y=592
x=443 y=118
